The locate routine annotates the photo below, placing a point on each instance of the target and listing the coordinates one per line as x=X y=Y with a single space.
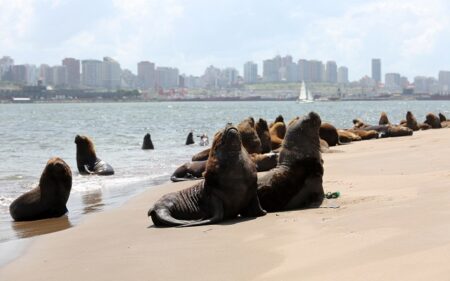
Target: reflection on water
x=39 y=227
x=92 y=201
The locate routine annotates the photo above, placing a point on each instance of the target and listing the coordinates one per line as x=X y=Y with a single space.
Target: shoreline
x=393 y=214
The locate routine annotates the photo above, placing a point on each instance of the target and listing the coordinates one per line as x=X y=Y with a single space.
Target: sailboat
x=305 y=95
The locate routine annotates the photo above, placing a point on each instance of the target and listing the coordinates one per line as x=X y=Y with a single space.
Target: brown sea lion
x=293 y=120
x=229 y=188
x=445 y=124
x=329 y=133
x=433 y=121
x=442 y=117
x=87 y=161
x=147 y=143
x=279 y=119
x=249 y=136
x=411 y=121
x=190 y=138
x=189 y=171
x=324 y=147
x=384 y=119
x=358 y=124
x=263 y=133
x=202 y=155
x=264 y=162
x=364 y=134
x=398 y=131
x=296 y=182
x=49 y=198
x=277 y=132
x=346 y=136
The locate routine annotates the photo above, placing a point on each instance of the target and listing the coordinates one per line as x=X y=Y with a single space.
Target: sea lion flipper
x=86 y=168
x=253 y=209
x=217 y=213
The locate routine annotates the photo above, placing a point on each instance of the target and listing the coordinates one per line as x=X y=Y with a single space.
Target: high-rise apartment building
x=91 y=73
x=111 y=74
x=167 y=77
x=73 y=72
x=304 y=70
x=271 y=69
x=392 y=81
x=60 y=76
x=331 y=72
x=342 y=75
x=250 y=72
x=444 y=82
x=5 y=66
x=146 y=75
x=316 y=71
x=376 y=70
x=230 y=76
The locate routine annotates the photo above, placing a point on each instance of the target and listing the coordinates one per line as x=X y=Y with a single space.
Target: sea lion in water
x=147 y=143
x=87 y=161
x=264 y=136
x=277 y=132
x=296 y=182
x=190 y=138
x=433 y=121
x=329 y=133
x=229 y=188
x=383 y=119
x=249 y=136
x=49 y=198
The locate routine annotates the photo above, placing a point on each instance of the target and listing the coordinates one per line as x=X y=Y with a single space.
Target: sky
x=411 y=37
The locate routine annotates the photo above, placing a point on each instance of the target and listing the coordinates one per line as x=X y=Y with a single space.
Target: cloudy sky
x=411 y=37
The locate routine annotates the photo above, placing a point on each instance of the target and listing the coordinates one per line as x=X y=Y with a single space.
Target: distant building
x=404 y=82
x=192 y=82
x=73 y=72
x=230 y=76
x=111 y=74
x=5 y=66
x=146 y=75
x=271 y=69
x=167 y=77
x=376 y=70
x=291 y=72
x=128 y=80
x=91 y=73
x=331 y=72
x=392 y=81
x=304 y=70
x=211 y=78
x=425 y=85
x=342 y=75
x=250 y=72
x=45 y=74
x=23 y=74
x=316 y=71
x=60 y=76
x=444 y=82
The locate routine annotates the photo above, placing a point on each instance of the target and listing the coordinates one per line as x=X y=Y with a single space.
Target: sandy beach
x=392 y=222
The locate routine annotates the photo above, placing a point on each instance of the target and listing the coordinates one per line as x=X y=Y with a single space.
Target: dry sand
x=393 y=224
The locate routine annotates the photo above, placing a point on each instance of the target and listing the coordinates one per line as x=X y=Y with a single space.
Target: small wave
x=5 y=201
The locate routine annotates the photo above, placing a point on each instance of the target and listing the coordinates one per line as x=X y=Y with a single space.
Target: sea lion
x=398 y=131
x=364 y=134
x=411 y=121
x=293 y=120
x=358 y=124
x=433 y=121
x=277 y=132
x=189 y=171
x=147 y=143
x=190 y=138
x=346 y=136
x=264 y=162
x=277 y=120
x=264 y=136
x=229 y=188
x=442 y=117
x=49 y=198
x=383 y=119
x=296 y=182
x=87 y=161
x=249 y=136
x=202 y=155
x=324 y=147
x=329 y=133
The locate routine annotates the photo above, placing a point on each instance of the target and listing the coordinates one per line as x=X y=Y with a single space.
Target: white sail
x=305 y=95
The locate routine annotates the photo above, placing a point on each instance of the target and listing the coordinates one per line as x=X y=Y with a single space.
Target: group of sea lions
x=49 y=198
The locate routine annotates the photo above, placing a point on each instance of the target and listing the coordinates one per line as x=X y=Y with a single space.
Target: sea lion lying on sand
x=49 y=198
x=296 y=182
x=190 y=138
x=346 y=136
x=384 y=119
x=411 y=121
x=147 y=143
x=442 y=117
x=359 y=124
x=278 y=119
x=229 y=188
x=329 y=133
x=433 y=121
x=87 y=161
x=264 y=136
x=202 y=155
x=365 y=134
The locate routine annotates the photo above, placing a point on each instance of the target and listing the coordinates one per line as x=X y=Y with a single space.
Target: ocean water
x=30 y=134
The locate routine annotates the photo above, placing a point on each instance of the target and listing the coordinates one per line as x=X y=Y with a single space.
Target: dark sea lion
x=249 y=136
x=365 y=134
x=296 y=182
x=190 y=138
x=346 y=136
x=411 y=121
x=202 y=155
x=358 y=124
x=277 y=132
x=384 y=119
x=433 y=121
x=147 y=143
x=442 y=117
x=398 y=131
x=262 y=129
x=189 y=171
x=87 y=161
x=329 y=133
x=49 y=198
x=293 y=120
x=228 y=190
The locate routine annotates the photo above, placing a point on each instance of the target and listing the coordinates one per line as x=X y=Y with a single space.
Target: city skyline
x=410 y=38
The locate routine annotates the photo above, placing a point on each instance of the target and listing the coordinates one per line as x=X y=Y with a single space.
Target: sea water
x=30 y=134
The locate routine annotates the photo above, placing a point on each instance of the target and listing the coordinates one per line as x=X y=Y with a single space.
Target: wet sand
x=392 y=223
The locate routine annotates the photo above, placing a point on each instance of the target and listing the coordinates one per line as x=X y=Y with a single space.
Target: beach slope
x=392 y=222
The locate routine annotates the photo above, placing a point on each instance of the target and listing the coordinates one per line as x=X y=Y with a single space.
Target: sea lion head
x=56 y=179
x=302 y=139
x=442 y=117
x=85 y=144
x=226 y=141
x=384 y=120
x=249 y=136
x=279 y=119
x=262 y=129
